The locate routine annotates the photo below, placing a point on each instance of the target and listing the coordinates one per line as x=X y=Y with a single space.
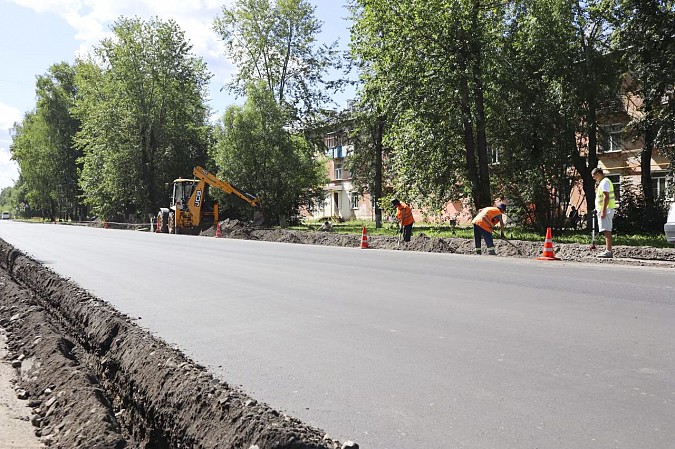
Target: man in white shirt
x=605 y=206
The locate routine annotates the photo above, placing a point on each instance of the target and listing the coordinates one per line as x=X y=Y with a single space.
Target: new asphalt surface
x=399 y=349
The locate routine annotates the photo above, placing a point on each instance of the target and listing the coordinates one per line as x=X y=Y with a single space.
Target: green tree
x=43 y=145
x=594 y=85
x=11 y=199
x=256 y=151
x=538 y=115
x=144 y=117
x=427 y=65
x=32 y=150
x=368 y=162
x=275 y=41
x=645 y=36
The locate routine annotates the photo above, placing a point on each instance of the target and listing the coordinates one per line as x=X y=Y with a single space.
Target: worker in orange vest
x=485 y=223
x=405 y=218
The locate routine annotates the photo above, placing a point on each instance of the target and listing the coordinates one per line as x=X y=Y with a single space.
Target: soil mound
x=68 y=407
x=232 y=229
x=632 y=255
x=99 y=380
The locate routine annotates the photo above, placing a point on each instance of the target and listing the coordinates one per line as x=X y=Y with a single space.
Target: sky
x=34 y=34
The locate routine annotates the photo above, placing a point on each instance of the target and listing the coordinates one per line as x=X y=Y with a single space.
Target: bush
x=634 y=215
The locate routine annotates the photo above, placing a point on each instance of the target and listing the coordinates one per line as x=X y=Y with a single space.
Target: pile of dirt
x=69 y=408
x=232 y=229
x=99 y=380
x=307 y=238
x=634 y=255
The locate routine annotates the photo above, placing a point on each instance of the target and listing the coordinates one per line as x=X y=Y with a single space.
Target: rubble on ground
x=635 y=255
x=95 y=379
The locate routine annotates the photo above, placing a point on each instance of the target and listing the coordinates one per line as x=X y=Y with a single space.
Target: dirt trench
x=624 y=255
x=94 y=379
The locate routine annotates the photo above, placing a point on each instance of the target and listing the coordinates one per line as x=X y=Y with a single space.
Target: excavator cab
x=182 y=191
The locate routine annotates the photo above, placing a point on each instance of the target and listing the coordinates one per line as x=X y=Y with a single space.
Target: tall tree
x=594 y=85
x=43 y=145
x=645 y=36
x=428 y=64
x=366 y=163
x=275 y=41
x=556 y=76
x=256 y=151
x=144 y=116
x=33 y=152
x=535 y=120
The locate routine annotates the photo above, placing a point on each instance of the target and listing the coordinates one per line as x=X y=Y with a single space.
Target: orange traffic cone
x=105 y=225
x=364 y=239
x=548 y=253
x=219 y=233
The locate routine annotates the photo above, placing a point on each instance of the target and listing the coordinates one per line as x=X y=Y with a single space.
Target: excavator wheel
x=163 y=220
x=172 y=222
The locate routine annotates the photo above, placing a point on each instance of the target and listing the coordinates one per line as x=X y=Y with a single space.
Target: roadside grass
x=512 y=233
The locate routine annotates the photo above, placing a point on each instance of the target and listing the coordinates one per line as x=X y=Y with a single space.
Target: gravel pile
x=630 y=255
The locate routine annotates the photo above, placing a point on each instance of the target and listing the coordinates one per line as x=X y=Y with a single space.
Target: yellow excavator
x=192 y=211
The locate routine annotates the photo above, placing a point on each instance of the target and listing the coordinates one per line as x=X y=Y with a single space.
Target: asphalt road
x=400 y=350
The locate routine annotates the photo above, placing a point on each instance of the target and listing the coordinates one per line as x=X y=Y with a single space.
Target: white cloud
x=91 y=20
x=9 y=171
x=8 y=116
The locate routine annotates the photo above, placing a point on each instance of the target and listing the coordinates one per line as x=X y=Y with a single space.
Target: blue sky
x=35 y=34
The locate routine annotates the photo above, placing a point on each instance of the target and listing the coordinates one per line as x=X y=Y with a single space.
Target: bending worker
x=485 y=223
x=405 y=218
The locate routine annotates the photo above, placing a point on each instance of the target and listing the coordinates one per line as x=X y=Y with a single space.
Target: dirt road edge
x=161 y=397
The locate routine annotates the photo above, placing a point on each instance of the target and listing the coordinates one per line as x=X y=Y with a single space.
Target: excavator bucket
x=258 y=217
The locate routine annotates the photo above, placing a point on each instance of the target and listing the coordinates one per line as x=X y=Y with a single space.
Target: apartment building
x=619 y=153
x=342 y=201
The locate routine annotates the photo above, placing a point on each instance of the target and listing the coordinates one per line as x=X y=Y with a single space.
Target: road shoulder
x=16 y=430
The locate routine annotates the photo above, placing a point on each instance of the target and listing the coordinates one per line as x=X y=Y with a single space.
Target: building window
x=660 y=185
x=332 y=141
x=616 y=181
x=355 y=200
x=338 y=170
x=336 y=153
x=612 y=138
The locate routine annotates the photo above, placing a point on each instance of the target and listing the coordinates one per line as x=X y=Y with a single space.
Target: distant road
x=400 y=350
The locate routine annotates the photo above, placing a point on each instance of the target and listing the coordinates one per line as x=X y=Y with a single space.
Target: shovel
x=595 y=222
x=512 y=244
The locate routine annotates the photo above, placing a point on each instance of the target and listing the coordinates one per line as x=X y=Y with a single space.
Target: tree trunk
x=484 y=194
x=652 y=221
x=589 y=182
x=377 y=185
x=469 y=144
x=584 y=168
x=148 y=150
x=646 y=162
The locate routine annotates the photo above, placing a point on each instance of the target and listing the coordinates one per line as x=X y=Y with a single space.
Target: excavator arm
x=212 y=180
